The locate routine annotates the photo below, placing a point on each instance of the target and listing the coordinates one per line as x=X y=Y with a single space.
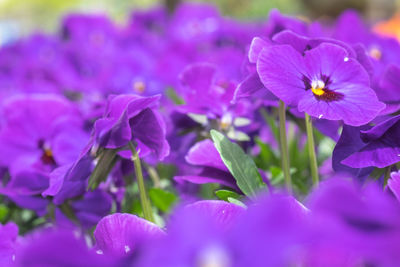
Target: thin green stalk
x=144 y=200
x=284 y=146
x=387 y=175
x=311 y=151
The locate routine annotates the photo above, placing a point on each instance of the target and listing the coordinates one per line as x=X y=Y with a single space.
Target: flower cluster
x=157 y=142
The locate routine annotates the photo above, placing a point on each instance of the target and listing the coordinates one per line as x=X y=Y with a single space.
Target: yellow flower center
x=317 y=87
x=375 y=53
x=48 y=153
x=139 y=87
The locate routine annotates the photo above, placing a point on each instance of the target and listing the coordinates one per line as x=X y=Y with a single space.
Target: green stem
x=144 y=200
x=153 y=175
x=311 y=151
x=387 y=175
x=106 y=162
x=284 y=146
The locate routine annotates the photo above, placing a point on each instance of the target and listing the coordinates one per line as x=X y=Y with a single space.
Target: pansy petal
x=257 y=44
x=120 y=234
x=281 y=71
x=224 y=213
x=334 y=62
x=204 y=153
x=358 y=106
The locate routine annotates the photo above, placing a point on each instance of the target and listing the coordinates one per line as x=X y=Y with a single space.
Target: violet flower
x=41 y=133
x=213 y=170
x=380 y=146
x=121 y=234
x=132 y=118
x=325 y=82
x=54 y=247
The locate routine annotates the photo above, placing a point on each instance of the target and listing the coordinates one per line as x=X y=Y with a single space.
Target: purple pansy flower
x=198 y=235
x=325 y=82
x=383 y=52
x=128 y=118
x=54 y=247
x=9 y=242
x=394 y=184
x=41 y=133
x=349 y=142
x=358 y=225
x=213 y=169
x=380 y=146
x=121 y=234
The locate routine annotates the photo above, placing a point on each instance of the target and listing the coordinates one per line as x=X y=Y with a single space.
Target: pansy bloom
x=325 y=82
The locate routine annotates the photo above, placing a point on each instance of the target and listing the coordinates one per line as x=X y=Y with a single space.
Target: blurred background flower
x=19 y=18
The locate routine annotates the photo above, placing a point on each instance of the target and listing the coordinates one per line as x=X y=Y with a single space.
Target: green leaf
x=171 y=94
x=240 y=165
x=4 y=211
x=225 y=194
x=162 y=199
x=237 y=202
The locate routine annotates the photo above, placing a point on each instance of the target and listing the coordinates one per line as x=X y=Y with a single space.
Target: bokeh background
x=21 y=17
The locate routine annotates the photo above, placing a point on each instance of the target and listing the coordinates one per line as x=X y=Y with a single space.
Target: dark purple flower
x=325 y=82
x=349 y=142
x=380 y=146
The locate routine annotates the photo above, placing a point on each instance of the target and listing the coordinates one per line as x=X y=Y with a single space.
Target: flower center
x=139 y=87
x=317 y=87
x=47 y=156
x=375 y=53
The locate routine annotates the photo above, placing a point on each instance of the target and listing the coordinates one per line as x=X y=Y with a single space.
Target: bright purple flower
x=278 y=22
x=384 y=53
x=200 y=85
x=207 y=93
x=359 y=225
x=132 y=118
x=32 y=65
x=213 y=169
x=41 y=132
x=380 y=147
x=121 y=234
x=8 y=243
x=271 y=233
x=52 y=247
x=195 y=237
x=223 y=213
x=325 y=82
x=195 y=23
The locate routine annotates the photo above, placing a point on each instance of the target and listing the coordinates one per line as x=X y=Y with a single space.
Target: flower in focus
x=325 y=82
x=132 y=118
